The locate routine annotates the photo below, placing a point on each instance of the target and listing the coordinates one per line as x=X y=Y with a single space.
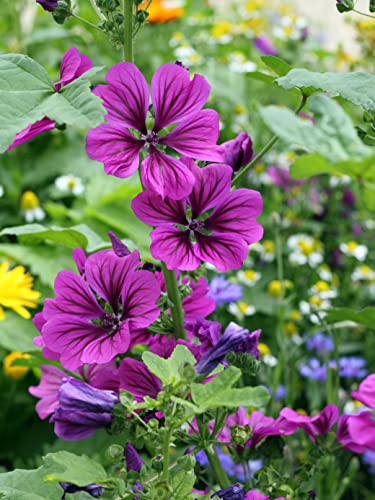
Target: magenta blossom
x=175 y=99
x=264 y=45
x=238 y=152
x=137 y=379
x=357 y=432
x=256 y=495
x=213 y=224
x=73 y=65
x=318 y=424
x=263 y=427
x=80 y=328
x=366 y=391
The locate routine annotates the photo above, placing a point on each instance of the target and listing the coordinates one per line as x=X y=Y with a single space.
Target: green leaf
x=79 y=470
x=17 y=333
x=277 y=65
x=332 y=135
x=181 y=484
x=76 y=236
x=169 y=370
x=262 y=77
x=310 y=165
x=364 y=317
x=28 y=485
x=356 y=87
x=24 y=87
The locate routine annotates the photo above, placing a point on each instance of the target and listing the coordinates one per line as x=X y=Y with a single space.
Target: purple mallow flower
x=223 y=291
x=264 y=45
x=235 y=339
x=80 y=328
x=366 y=392
x=317 y=425
x=137 y=379
x=320 y=343
x=357 y=432
x=212 y=224
x=94 y=490
x=82 y=409
x=207 y=332
x=49 y=5
x=73 y=65
x=238 y=152
x=234 y=492
x=175 y=99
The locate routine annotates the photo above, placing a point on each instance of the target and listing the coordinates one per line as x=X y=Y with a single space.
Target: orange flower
x=161 y=11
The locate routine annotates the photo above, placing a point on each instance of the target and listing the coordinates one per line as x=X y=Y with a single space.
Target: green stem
x=175 y=299
x=166 y=455
x=99 y=13
x=363 y=13
x=266 y=148
x=217 y=468
x=84 y=21
x=127 y=10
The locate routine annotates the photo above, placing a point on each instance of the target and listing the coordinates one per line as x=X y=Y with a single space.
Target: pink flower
x=357 y=432
x=318 y=424
x=176 y=99
x=213 y=224
x=366 y=391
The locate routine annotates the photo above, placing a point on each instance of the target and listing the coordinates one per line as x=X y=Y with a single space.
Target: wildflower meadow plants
x=161 y=377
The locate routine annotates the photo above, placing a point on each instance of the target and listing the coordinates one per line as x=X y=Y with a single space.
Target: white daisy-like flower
x=353 y=249
x=325 y=272
x=266 y=250
x=248 y=277
x=339 y=180
x=70 y=184
x=305 y=250
x=323 y=290
x=269 y=360
x=240 y=310
x=239 y=64
x=30 y=207
x=315 y=308
x=363 y=273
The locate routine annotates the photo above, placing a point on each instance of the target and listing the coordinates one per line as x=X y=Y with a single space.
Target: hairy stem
x=363 y=13
x=127 y=10
x=84 y=21
x=266 y=148
x=98 y=12
x=175 y=299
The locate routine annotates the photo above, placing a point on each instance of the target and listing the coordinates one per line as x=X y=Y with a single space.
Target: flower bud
x=48 y=5
x=63 y=11
x=344 y=5
x=372 y=6
x=115 y=453
x=239 y=151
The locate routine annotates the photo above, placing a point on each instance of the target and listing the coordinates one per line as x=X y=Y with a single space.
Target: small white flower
x=34 y=214
x=354 y=407
x=314 y=308
x=241 y=309
x=363 y=273
x=248 y=277
x=70 y=184
x=239 y=64
x=339 y=180
x=355 y=250
x=269 y=360
x=30 y=207
x=323 y=290
x=305 y=250
x=266 y=250
x=1 y=191
x=325 y=273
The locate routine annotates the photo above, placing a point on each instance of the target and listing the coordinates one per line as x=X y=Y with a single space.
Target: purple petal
x=174 y=96
x=73 y=65
x=105 y=347
x=166 y=175
x=74 y=426
x=224 y=251
x=47 y=390
x=80 y=258
x=32 y=131
x=132 y=458
x=173 y=247
x=118 y=246
x=113 y=145
x=137 y=379
x=236 y=213
x=107 y=274
x=212 y=183
x=103 y=376
x=126 y=97
x=151 y=209
x=196 y=137
x=197 y=304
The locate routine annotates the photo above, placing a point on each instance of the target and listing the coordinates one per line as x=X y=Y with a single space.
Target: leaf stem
x=99 y=13
x=175 y=299
x=363 y=13
x=84 y=21
x=266 y=148
x=127 y=10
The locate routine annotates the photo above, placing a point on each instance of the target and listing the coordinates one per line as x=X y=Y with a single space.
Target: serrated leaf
x=77 y=469
x=356 y=87
x=168 y=370
x=277 y=64
x=364 y=317
x=28 y=485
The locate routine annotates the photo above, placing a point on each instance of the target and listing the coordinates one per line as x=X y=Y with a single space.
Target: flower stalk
x=127 y=10
x=175 y=299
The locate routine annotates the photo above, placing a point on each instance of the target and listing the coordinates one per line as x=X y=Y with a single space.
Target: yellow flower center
x=366 y=270
x=264 y=350
x=315 y=301
x=352 y=246
x=290 y=328
x=15 y=372
x=71 y=183
x=274 y=289
x=269 y=246
x=306 y=247
x=295 y=315
x=222 y=28
x=242 y=307
x=29 y=200
x=322 y=286
x=250 y=275
x=239 y=109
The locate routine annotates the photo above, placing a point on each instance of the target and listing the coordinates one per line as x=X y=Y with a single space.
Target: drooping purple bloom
x=82 y=409
x=95 y=490
x=176 y=99
x=264 y=45
x=137 y=379
x=186 y=234
x=49 y=5
x=352 y=367
x=235 y=339
x=223 y=291
x=47 y=390
x=73 y=65
x=132 y=458
x=77 y=325
x=357 y=432
x=317 y=425
x=320 y=343
x=366 y=391
x=238 y=152
x=207 y=332
x=234 y=492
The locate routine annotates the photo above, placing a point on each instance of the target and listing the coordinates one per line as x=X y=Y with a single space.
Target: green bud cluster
x=62 y=12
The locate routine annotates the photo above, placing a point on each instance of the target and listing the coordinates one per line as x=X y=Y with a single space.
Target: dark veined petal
x=174 y=247
x=126 y=96
x=175 y=96
x=32 y=131
x=224 y=251
x=137 y=379
x=166 y=175
x=151 y=209
x=196 y=136
x=236 y=213
x=73 y=65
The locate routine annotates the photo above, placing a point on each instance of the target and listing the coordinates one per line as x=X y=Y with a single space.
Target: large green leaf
x=169 y=370
x=77 y=469
x=277 y=65
x=357 y=87
x=16 y=333
x=28 y=485
x=364 y=317
x=332 y=134
x=182 y=483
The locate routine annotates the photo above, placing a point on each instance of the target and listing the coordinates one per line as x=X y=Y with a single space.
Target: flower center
x=111 y=322
x=151 y=139
x=196 y=225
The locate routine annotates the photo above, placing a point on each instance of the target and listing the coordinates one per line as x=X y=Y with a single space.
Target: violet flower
x=80 y=329
x=314 y=370
x=234 y=492
x=357 y=432
x=207 y=332
x=82 y=410
x=352 y=367
x=137 y=379
x=187 y=233
x=94 y=490
x=366 y=391
x=238 y=152
x=49 y=5
x=73 y=65
x=176 y=99
x=263 y=427
x=132 y=458
x=223 y=291
x=319 y=424
x=264 y=45
x=320 y=343
x=47 y=390
x=235 y=339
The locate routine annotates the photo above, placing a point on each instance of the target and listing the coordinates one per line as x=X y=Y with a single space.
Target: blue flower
x=320 y=343
x=314 y=370
x=352 y=367
x=223 y=291
x=234 y=492
x=368 y=458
